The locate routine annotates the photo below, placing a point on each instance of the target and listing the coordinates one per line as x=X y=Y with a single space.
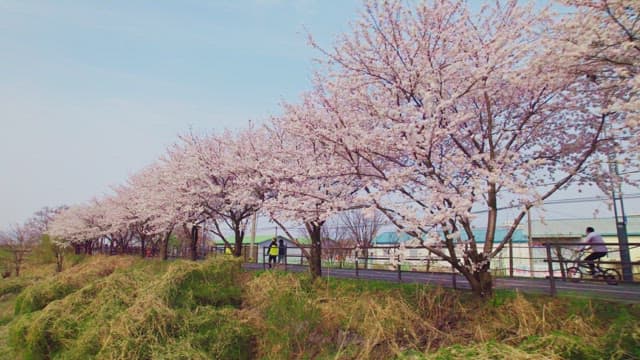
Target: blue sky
x=91 y=91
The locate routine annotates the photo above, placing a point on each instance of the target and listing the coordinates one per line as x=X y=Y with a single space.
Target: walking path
x=622 y=292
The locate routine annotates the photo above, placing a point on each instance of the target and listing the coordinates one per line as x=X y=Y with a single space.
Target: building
x=526 y=255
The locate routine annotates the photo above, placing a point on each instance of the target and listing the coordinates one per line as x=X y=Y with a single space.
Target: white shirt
x=594 y=240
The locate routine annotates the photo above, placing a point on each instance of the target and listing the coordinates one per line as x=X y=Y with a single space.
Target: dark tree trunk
x=481 y=281
x=165 y=246
x=366 y=255
x=315 y=258
x=194 y=243
x=17 y=258
x=59 y=259
x=239 y=234
x=143 y=245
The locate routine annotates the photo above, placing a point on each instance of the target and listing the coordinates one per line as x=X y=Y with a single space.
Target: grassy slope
x=127 y=308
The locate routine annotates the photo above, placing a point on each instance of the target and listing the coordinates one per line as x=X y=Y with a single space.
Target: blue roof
x=517 y=237
x=391 y=237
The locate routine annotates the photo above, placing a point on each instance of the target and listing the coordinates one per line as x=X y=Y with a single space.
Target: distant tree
x=39 y=225
x=362 y=227
x=19 y=239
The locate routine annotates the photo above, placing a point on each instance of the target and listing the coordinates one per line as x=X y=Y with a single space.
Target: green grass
x=126 y=307
x=132 y=309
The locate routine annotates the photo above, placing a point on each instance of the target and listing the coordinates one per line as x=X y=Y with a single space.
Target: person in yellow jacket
x=273 y=252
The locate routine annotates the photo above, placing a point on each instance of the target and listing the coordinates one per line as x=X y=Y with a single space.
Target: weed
x=125 y=307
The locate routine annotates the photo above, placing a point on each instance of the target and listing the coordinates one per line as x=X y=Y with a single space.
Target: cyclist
x=594 y=241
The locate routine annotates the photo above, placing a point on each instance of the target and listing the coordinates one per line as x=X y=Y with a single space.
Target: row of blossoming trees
x=428 y=113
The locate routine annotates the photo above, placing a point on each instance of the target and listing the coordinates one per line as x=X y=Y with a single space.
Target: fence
x=561 y=264
x=542 y=261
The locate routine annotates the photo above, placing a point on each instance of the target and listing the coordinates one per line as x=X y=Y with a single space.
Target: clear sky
x=91 y=91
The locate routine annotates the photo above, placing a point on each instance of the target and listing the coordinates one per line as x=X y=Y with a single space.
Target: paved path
x=621 y=292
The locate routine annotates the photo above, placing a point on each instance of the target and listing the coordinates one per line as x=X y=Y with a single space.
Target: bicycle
x=576 y=272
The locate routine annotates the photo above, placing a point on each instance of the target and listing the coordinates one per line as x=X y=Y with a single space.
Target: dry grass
x=38 y=295
x=420 y=322
x=146 y=310
x=127 y=308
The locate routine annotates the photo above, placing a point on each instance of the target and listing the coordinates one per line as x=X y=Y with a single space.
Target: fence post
x=399 y=268
x=511 y=257
x=264 y=253
x=357 y=273
x=453 y=277
x=563 y=264
x=552 y=279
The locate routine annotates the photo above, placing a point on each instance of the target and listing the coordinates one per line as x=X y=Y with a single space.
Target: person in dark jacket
x=282 y=251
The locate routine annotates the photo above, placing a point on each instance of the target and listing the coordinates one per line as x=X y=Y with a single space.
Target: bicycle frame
x=575 y=272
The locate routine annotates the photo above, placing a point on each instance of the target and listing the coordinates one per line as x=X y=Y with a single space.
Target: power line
x=550 y=202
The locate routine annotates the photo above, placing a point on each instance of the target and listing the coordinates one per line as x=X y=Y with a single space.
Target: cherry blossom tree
x=298 y=180
x=121 y=213
x=213 y=178
x=600 y=39
x=441 y=113
x=163 y=198
x=82 y=225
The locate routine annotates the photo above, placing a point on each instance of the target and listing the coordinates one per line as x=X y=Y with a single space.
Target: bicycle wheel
x=574 y=274
x=611 y=276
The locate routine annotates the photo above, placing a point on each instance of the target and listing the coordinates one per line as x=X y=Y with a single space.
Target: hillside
x=128 y=308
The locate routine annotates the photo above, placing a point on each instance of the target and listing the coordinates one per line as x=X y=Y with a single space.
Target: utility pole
x=621 y=220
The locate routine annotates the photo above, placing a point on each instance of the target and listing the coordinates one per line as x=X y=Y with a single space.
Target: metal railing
x=541 y=261
x=559 y=256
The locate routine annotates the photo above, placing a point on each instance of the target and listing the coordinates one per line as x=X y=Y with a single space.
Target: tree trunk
x=366 y=257
x=165 y=246
x=194 y=243
x=237 y=249
x=59 y=259
x=315 y=258
x=17 y=257
x=143 y=243
x=481 y=281
x=239 y=234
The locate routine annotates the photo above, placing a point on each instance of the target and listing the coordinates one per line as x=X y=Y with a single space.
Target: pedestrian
x=273 y=252
x=282 y=251
x=594 y=241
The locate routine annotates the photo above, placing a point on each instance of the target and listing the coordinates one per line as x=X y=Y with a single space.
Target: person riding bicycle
x=594 y=241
